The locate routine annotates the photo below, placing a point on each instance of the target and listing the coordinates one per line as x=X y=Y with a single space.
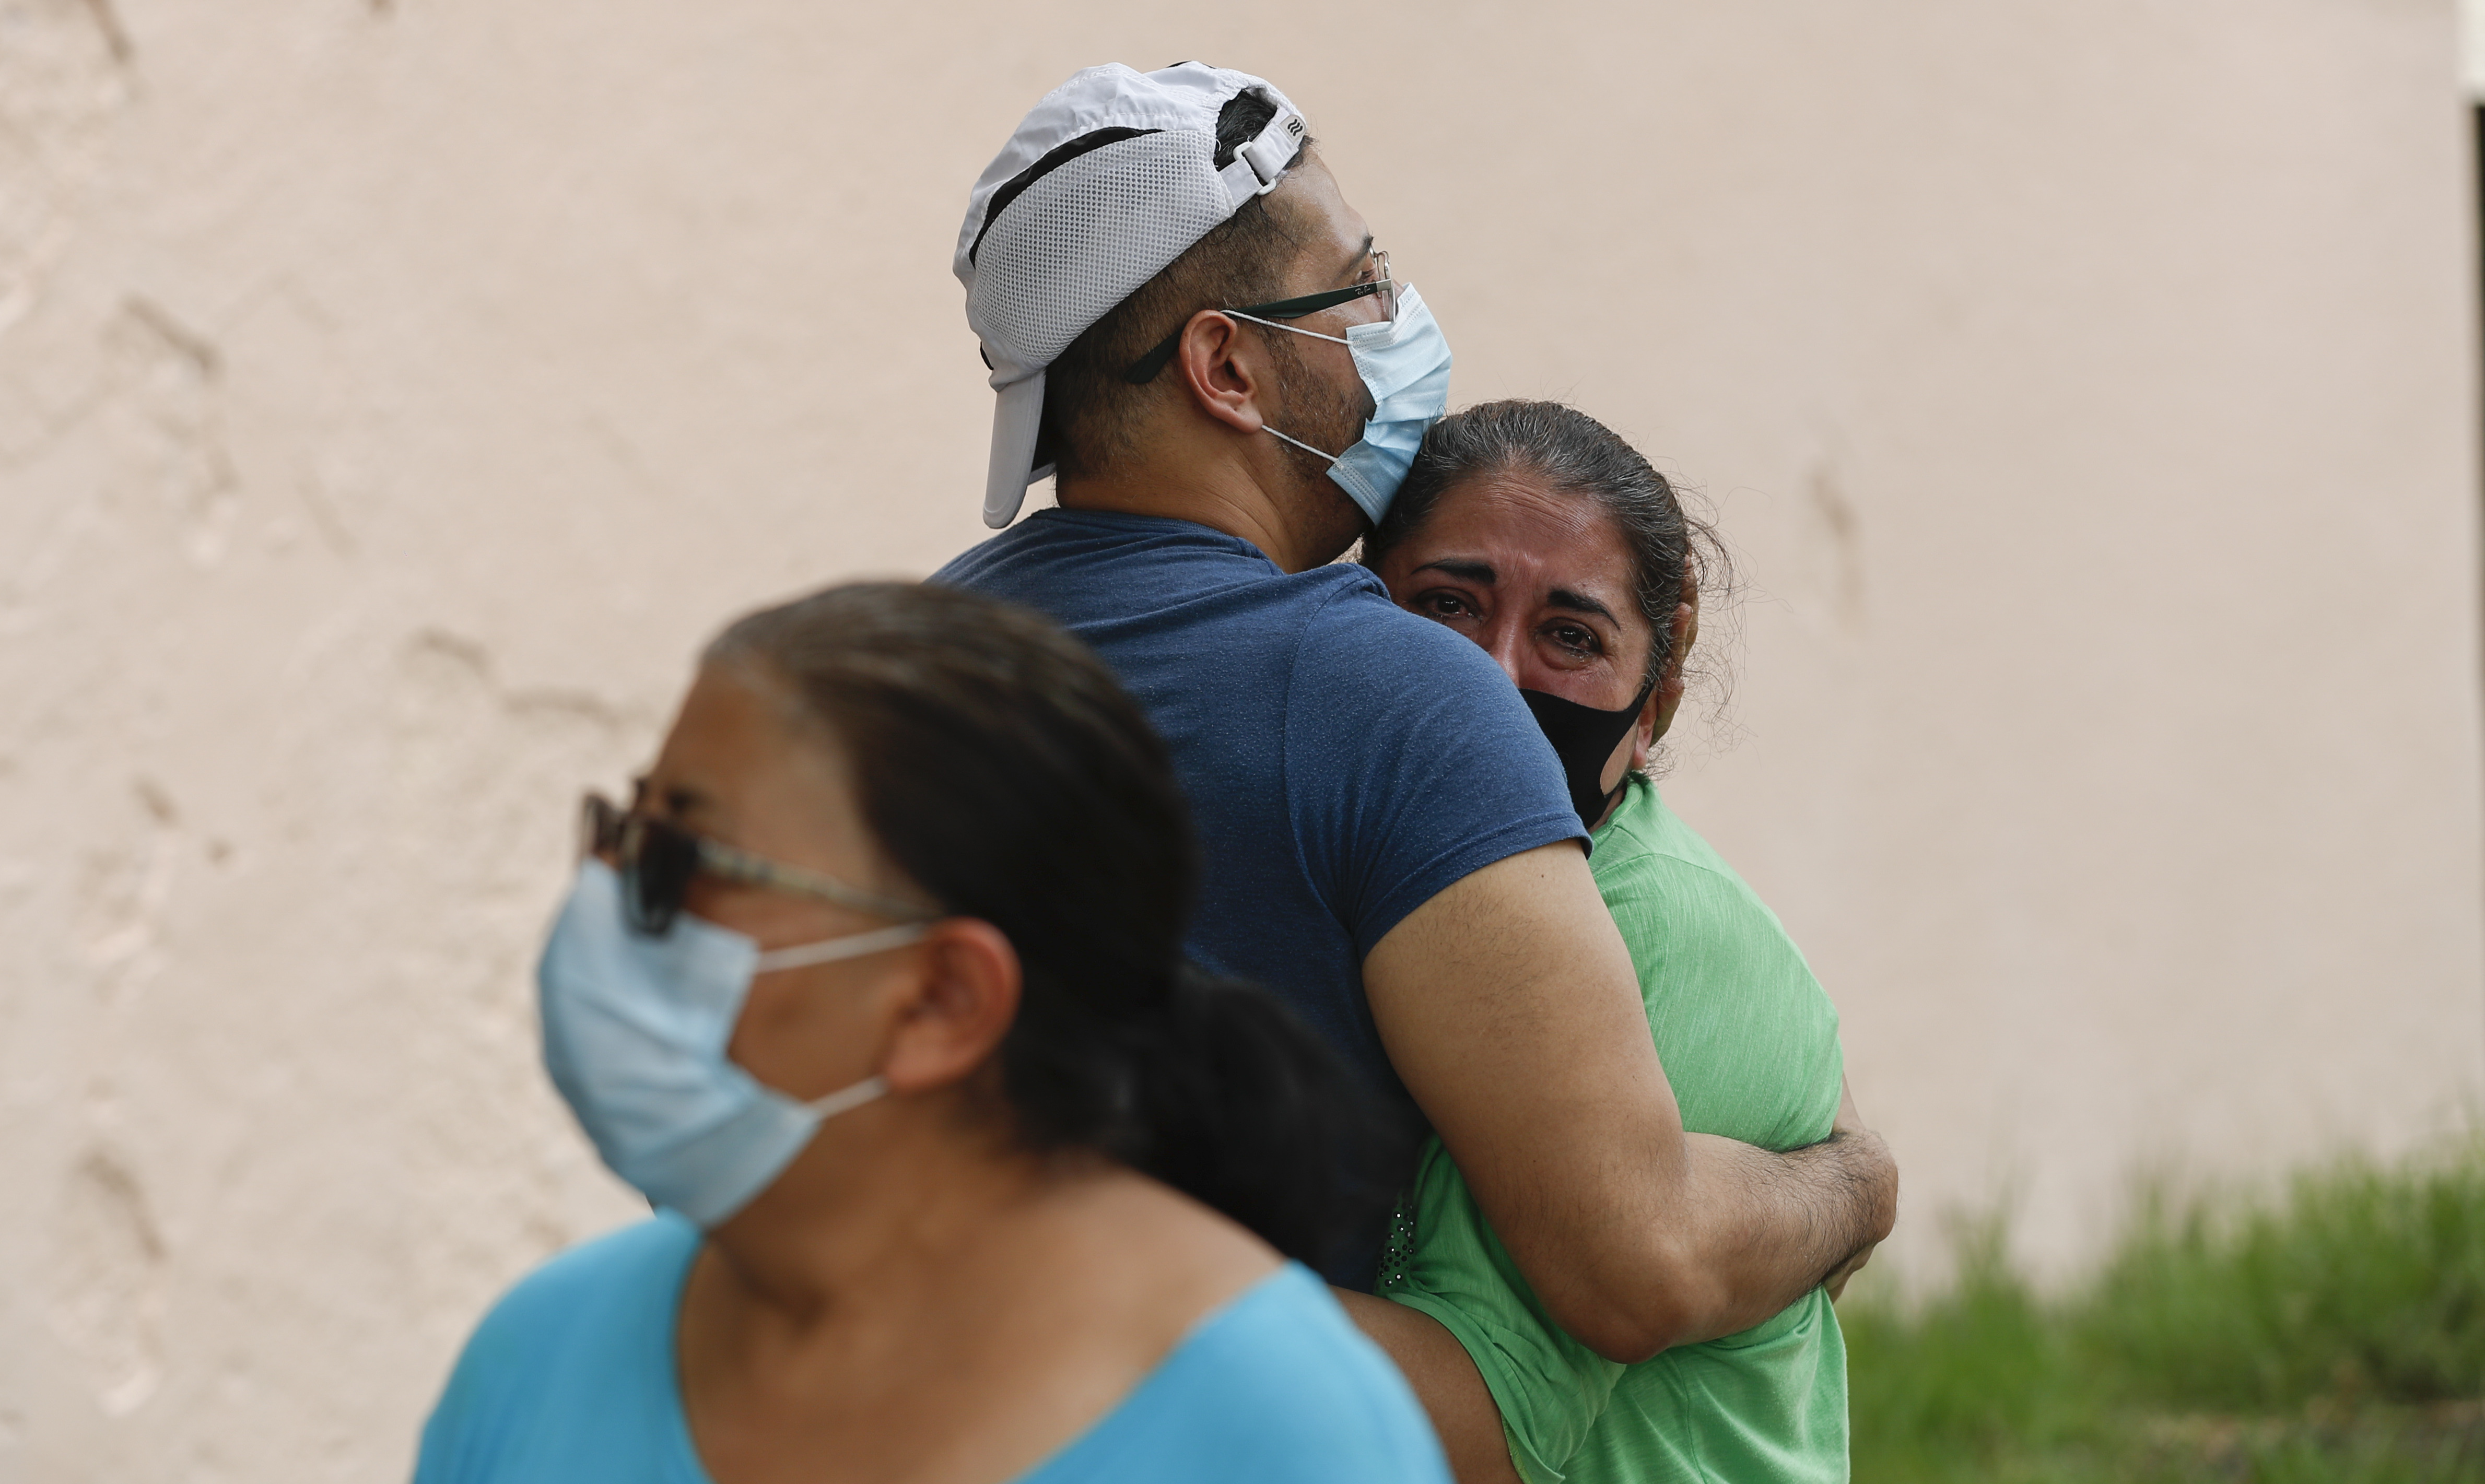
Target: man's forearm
x=1739 y=1234
x=1509 y=1006
x=1767 y=1229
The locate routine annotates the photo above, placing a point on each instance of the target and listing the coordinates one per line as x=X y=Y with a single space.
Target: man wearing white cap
x=1191 y=330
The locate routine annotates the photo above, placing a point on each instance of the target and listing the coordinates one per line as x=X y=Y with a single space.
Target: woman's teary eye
x=1438 y=605
x=1575 y=638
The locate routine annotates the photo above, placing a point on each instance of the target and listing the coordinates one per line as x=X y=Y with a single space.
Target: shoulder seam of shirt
x=1656 y=852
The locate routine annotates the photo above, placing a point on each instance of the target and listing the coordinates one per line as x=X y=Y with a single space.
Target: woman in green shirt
x=1547 y=539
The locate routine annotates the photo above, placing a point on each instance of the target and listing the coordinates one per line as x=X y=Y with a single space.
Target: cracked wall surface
x=394 y=393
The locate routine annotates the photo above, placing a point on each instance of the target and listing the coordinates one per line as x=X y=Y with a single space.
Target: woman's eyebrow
x=681 y=801
x=1466 y=569
x=1579 y=603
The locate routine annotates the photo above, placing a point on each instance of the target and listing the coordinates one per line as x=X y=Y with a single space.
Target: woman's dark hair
x=1573 y=454
x=1009 y=776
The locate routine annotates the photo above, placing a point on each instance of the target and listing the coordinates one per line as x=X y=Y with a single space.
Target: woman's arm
x=1445 y=1381
x=1510 y=1008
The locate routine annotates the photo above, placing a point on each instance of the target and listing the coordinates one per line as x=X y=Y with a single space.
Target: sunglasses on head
x=657 y=860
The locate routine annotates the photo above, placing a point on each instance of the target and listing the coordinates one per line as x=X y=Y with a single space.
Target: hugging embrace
x=1067 y=1012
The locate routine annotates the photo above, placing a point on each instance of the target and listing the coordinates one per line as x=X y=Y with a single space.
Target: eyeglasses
x=1144 y=369
x=657 y=861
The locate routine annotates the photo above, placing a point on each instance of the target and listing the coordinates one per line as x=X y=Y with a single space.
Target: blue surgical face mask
x=1404 y=363
x=635 y=1029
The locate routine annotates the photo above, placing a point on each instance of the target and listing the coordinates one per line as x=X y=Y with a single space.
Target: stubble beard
x=1329 y=419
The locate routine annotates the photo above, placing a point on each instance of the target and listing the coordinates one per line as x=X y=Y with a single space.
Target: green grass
x=2333 y=1332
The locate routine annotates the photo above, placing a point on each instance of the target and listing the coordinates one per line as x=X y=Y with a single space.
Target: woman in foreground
x=875 y=993
x=1549 y=541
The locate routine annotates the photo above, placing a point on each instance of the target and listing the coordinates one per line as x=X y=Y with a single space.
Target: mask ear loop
x=839 y=1101
x=1333 y=339
x=1298 y=442
x=1615 y=793
x=830 y=950
x=1279 y=324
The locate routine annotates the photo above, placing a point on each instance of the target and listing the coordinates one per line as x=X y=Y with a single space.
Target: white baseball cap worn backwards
x=1106 y=182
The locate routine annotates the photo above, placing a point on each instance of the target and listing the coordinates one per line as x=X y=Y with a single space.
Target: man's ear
x=952 y=1020
x=1224 y=371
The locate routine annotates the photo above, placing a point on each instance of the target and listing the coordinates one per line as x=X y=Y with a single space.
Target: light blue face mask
x=634 y=1034
x=1404 y=363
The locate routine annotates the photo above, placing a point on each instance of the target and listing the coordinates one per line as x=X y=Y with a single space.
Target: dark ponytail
x=1009 y=776
x=1252 y=1112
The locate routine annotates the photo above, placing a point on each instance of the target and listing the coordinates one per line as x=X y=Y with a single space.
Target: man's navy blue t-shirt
x=1346 y=760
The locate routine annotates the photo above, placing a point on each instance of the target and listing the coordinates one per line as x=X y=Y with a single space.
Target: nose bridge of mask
x=1389 y=376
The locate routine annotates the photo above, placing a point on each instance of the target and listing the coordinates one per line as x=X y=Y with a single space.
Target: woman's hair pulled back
x=1004 y=770
x=1573 y=454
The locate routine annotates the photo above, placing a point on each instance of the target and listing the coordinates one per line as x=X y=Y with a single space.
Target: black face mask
x=1584 y=739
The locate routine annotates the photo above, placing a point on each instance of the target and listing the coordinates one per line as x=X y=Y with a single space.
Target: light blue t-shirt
x=570 y=1377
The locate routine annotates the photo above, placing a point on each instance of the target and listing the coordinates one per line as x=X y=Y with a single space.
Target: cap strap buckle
x=1269 y=154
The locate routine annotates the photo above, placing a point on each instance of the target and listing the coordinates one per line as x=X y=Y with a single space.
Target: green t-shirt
x=1750 y=1043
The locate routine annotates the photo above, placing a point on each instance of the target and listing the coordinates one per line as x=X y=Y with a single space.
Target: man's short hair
x=1090 y=413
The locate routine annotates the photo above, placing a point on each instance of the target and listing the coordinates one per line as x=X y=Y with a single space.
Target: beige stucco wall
x=393 y=393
